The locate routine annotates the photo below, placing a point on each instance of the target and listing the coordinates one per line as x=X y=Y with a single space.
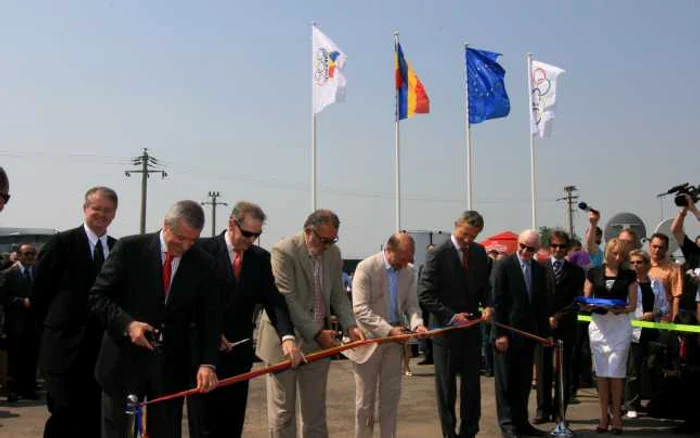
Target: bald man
x=385 y=303
x=520 y=300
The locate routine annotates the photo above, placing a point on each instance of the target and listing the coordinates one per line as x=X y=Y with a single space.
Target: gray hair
x=102 y=191
x=320 y=217
x=472 y=218
x=244 y=209
x=189 y=211
x=4 y=181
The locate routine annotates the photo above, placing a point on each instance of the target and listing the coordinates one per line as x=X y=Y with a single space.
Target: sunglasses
x=28 y=253
x=246 y=233
x=528 y=248
x=325 y=240
x=555 y=246
x=5 y=197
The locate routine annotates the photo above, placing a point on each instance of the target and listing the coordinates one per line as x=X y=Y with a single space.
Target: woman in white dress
x=610 y=331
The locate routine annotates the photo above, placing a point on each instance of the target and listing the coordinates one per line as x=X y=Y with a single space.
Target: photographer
x=691 y=251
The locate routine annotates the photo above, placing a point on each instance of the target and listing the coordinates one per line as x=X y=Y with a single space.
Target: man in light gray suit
x=383 y=295
x=307 y=269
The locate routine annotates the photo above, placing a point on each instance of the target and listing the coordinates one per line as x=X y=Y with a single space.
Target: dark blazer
x=511 y=303
x=63 y=276
x=14 y=288
x=129 y=288
x=562 y=298
x=255 y=286
x=446 y=289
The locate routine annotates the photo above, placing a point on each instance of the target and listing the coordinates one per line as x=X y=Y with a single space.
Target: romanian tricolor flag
x=412 y=98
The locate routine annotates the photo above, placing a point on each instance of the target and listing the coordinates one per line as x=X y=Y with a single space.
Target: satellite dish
x=665 y=228
x=624 y=220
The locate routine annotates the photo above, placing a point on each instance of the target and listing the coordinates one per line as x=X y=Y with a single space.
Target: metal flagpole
x=533 y=187
x=470 y=152
x=397 y=163
x=313 y=129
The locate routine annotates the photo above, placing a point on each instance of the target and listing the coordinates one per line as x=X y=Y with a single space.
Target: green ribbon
x=656 y=325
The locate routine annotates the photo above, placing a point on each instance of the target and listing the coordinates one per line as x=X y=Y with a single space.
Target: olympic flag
x=543 y=90
x=328 y=80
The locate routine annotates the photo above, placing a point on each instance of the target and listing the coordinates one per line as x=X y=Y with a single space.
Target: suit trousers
x=22 y=353
x=309 y=383
x=378 y=381
x=513 y=378
x=548 y=405
x=458 y=352
x=74 y=399
x=220 y=413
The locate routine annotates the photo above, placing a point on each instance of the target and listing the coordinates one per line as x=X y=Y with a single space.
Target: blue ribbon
x=602 y=302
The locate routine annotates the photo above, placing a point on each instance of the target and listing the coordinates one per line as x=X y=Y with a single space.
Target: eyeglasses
x=245 y=233
x=5 y=197
x=527 y=248
x=325 y=240
x=556 y=245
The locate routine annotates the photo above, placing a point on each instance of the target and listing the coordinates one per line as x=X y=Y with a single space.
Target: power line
x=213 y=202
x=148 y=164
x=570 y=199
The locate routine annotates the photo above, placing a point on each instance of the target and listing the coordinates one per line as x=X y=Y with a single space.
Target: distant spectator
x=4 y=189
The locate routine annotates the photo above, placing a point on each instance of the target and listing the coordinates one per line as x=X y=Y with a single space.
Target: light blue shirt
x=394 y=317
x=527 y=275
x=596 y=258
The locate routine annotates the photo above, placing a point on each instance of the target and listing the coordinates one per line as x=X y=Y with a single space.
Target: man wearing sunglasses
x=520 y=300
x=566 y=281
x=308 y=273
x=245 y=280
x=4 y=189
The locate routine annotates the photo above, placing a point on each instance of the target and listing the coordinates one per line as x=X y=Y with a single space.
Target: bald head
x=528 y=244
x=399 y=250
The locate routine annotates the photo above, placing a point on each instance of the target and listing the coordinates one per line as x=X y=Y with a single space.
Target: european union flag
x=487 y=92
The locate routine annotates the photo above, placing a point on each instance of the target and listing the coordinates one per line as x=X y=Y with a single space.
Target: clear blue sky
x=219 y=91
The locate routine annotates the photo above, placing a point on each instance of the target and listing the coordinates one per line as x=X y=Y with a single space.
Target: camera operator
x=690 y=249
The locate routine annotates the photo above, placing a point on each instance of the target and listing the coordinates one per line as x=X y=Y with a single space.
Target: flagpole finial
x=466 y=44
x=314 y=23
x=396 y=33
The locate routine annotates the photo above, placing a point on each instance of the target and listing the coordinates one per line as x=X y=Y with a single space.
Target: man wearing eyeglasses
x=566 y=282
x=70 y=339
x=308 y=273
x=520 y=300
x=4 y=189
x=22 y=336
x=245 y=280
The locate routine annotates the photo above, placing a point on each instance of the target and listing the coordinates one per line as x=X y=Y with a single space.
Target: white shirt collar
x=456 y=244
x=93 y=238
x=387 y=266
x=560 y=260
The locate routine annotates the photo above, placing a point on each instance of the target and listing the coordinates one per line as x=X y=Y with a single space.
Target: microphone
x=585 y=207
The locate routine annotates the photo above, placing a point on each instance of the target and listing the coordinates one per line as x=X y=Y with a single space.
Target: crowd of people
x=158 y=313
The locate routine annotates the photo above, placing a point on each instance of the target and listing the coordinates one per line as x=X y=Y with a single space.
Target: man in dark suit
x=520 y=300
x=70 y=339
x=152 y=292
x=22 y=336
x=245 y=278
x=453 y=284
x=566 y=281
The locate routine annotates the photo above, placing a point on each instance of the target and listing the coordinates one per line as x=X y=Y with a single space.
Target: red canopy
x=505 y=242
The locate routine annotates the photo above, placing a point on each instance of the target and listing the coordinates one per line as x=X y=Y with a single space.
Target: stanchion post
x=131 y=407
x=562 y=428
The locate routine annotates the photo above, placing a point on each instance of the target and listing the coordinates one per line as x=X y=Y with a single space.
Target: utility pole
x=213 y=203
x=147 y=163
x=570 y=199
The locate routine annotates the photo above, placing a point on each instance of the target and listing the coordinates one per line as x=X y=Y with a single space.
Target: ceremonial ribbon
x=318 y=355
x=655 y=325
x=541 y=340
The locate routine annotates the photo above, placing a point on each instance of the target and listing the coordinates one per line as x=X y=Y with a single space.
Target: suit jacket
x=240 y=298
x=370 y=296
x=511 y=303
x=562 y=298
x=291 y=266
x=446 y=289
x=129 y=287
x=63 y=276
x=14 y=288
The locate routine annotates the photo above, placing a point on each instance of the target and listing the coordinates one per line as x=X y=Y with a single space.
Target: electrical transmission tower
x=213 y=202
x=148 y=163
x=570 y=199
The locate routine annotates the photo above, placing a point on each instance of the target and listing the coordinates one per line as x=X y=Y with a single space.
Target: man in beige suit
x=307 y=269
x=383 y=295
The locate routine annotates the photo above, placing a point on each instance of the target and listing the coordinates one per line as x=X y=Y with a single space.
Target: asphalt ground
x=417 y=412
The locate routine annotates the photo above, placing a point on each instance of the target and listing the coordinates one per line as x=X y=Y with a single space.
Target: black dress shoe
x=12 y=398
x=531 y=431
x=540 y=419
x=30 y=396
x=426 y=361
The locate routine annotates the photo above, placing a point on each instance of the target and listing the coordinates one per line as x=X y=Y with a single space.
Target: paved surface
x=417 y=413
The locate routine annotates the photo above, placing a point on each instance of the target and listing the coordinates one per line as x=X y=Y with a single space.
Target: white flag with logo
x=544 y=96
x=328 y=80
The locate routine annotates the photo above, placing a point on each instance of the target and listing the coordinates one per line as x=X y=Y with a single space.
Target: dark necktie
x=465 y=259
x=28 y=276
x=558 y=271
x=167 y=273
x=98 y=254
